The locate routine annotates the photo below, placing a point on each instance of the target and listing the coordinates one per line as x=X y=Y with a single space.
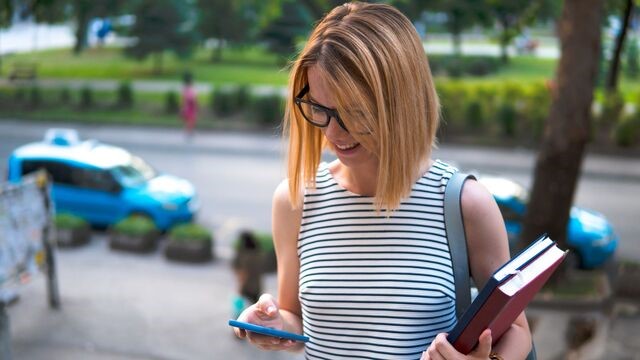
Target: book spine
x=468 y=339
x=470 y=313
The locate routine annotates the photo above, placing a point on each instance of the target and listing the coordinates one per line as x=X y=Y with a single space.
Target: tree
x=614 y=69
x=568 y=126
x=460 y=15
x=81 y=11
x=513 y=15
x=294 y=23
x=162 y=25
x=235 y=22
x=223 y=20
x=6 y=14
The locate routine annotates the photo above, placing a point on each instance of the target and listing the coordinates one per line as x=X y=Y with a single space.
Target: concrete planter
x=627 y=280
x=192 y=251
x=134 y=243
x=70 y=237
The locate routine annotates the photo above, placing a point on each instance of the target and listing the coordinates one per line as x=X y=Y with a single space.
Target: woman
x=363 y=261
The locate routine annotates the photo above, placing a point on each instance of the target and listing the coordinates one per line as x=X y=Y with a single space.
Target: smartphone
x=268 y=331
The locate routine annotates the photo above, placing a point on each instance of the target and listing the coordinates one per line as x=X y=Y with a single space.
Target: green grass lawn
x=249 y=65
x=240 y=66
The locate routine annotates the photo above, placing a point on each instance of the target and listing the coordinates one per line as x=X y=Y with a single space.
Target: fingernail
x=271 y=309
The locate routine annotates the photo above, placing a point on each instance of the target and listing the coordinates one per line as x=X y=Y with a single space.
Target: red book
x=500 y=302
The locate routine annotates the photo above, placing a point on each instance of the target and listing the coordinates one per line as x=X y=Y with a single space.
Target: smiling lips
x=347 y=146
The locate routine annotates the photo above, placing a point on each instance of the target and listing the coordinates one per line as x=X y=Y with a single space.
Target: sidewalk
x=132 y=307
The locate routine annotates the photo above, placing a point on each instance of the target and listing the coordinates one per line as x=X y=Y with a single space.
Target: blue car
x=589 y=234
x=104 y=184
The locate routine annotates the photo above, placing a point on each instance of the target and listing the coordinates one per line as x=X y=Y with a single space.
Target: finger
x=484 y=344
x=267 y=305
x=268 y=342
x=433 y=354
x=241 y=333
x=444 y=347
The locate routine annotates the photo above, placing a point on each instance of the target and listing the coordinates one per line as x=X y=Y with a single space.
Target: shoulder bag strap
x=457 y=240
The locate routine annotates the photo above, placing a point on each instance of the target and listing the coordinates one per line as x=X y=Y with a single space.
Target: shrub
x=242 y=96
x=125 y=95
x=65 y=96
x=507 y=116
x=536 y=109
x=135 y=225
x=474 y=115
x=69 y=221
x=612 y=108
x=171 y=103
x=627 y=131
x=452 y=96
x=19 y=95
x=268 y=109
x=227 y=101
x=190 y=232
x=457 y=66
x=35 y=96
x=86 y=97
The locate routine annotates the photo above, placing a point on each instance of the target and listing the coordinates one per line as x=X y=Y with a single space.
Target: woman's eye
x=316 y=110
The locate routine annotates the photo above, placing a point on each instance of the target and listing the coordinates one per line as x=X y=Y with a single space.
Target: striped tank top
x=372 y=286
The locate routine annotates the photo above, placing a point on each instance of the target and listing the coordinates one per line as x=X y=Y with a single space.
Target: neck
x=361 y=179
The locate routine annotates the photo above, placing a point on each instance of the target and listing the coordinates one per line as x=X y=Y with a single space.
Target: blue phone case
x=268 y=331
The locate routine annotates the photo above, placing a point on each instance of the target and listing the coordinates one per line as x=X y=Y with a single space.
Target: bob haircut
x=371 y=57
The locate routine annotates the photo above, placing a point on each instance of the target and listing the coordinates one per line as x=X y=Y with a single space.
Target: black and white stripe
x=372 y=286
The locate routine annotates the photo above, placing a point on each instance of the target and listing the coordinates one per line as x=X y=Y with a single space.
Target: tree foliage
x=460 y=15
x=512 y=16
x=80 y=11
x=162 y=25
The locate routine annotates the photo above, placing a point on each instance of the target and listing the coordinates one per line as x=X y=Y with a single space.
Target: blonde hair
x=372 y=58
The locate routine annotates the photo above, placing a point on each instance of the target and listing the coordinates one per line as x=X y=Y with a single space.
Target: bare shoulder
x=285 y=217
x=476 y=200
x=282 y=198
x=485 y=230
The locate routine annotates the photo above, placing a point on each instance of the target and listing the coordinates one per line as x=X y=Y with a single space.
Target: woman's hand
x=441 y=349
x=264 y=313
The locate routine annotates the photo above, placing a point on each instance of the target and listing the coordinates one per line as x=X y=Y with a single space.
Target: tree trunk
x=614 y=68
x=567 y=129
x=456 y=35
x=504 y=40
x=82 y=26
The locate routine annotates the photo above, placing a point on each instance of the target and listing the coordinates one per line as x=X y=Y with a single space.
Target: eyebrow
x=317 y=103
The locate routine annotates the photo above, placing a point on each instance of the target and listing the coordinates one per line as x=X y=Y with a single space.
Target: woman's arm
x=286 y=226
x=488 y=249
x=284 y=313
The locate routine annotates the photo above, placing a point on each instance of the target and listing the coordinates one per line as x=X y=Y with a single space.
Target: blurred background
x=158 y=123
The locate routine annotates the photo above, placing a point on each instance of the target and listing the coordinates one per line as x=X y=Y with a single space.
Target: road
x=235 y=173
x=133 y=307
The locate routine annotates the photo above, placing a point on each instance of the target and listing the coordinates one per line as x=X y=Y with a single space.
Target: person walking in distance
x=248 y=268
x=189 y=105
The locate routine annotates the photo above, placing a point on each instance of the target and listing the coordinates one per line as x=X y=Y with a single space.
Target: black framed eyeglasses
x=316 y=114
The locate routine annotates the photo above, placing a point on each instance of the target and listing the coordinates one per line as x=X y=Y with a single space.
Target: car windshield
x=136 y=172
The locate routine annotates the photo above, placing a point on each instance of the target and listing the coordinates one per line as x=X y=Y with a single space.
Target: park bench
x=23 y=71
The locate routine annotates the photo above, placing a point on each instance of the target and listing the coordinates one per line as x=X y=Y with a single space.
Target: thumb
x=267 y=306
x=484 y=344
